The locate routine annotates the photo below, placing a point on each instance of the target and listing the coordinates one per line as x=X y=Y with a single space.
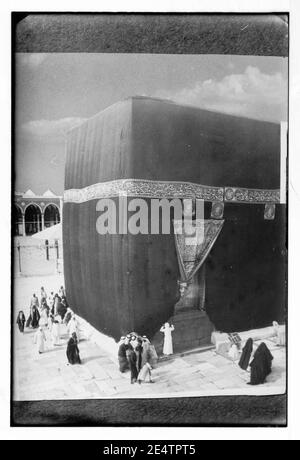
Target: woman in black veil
x=73 y=350
x=21 y=321
x=132 y=359
x=246 y=354
x=261 y=365
x=33 y=318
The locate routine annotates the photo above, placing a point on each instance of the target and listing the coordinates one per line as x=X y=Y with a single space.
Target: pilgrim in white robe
x=73 y=327
x=55 y=331
x=43 y=294
x=51 y=300
x=167 y=330
x=144 y=373
x=43 y=318
x=39 y=340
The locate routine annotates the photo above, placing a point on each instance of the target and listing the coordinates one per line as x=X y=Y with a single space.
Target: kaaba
x=150 y=148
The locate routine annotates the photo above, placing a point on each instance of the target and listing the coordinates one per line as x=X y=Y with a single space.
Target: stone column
x=61 y=209
x=23 y=225
x=43 y=221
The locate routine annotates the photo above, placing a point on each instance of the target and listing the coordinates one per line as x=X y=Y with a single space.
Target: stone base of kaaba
x=193 y=329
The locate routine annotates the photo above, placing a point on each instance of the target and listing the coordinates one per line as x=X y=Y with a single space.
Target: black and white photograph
x=149 y=219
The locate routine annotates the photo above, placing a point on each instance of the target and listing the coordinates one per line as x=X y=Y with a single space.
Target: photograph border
x=229 y=411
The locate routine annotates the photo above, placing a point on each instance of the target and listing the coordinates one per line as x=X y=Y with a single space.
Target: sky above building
x=55 y=92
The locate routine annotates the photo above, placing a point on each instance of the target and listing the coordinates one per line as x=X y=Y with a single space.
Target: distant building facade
x=33 y=213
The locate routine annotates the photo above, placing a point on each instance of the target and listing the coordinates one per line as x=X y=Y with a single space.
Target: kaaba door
x=192 y=327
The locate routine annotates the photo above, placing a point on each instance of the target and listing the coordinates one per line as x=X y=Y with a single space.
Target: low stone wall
x=108 y=344
x=222 y=342
x=193 y=329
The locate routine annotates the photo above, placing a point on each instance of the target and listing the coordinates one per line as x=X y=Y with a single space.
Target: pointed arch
x=33 y=218
x=17 y=216
x=51 y=215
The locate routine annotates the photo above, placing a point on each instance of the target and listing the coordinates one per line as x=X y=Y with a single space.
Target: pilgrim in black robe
x=73 y=351
x=131 y=355
x=61 y=310
x=122 y=357
x=28 y=322
x=139 y=354
x=246 y=354
x=21 y=321
x=34 y=318
x=261 y=365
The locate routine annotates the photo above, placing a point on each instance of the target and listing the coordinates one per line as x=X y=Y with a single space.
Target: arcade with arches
x=32 y=217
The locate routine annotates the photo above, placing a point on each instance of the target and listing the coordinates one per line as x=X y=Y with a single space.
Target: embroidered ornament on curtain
x=193 y=250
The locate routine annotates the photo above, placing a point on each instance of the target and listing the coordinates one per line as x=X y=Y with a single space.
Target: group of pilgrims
x=137 y=355
x=46 y=316
x=47 y=313
x=258 y=362
x=257 y=359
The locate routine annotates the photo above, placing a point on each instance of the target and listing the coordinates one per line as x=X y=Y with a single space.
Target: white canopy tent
x=50 y=234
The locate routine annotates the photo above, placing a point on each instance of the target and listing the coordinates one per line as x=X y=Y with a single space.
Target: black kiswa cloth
x=261 y=365
x=246 y=354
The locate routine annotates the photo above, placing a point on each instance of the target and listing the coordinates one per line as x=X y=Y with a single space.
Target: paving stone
x=121 y=384
x=208 y=387
x=205 y=367
x=81 y=372
x=112 y=371
x=178 y=363
x=105 y=388
x=91 y=388
x=98 y=372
